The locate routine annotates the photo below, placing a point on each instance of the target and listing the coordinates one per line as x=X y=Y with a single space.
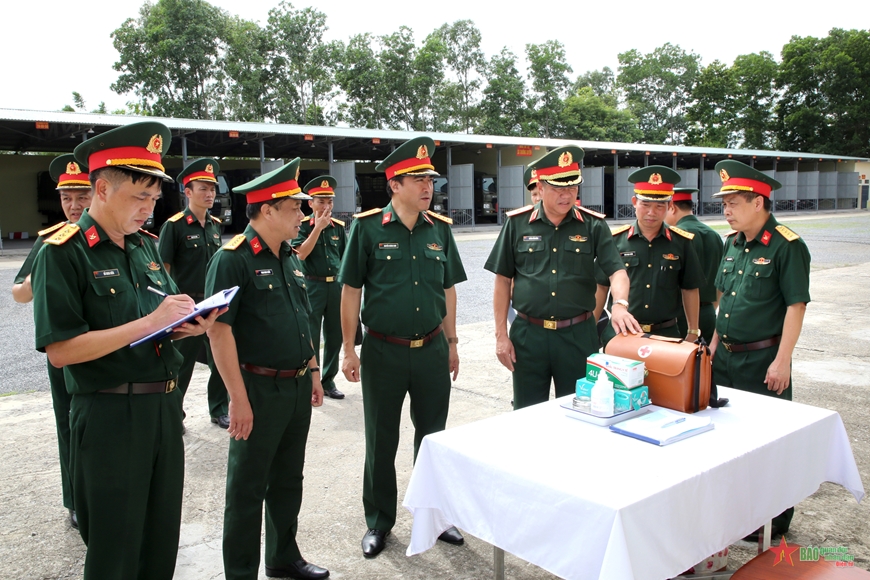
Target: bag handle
x=715 y=401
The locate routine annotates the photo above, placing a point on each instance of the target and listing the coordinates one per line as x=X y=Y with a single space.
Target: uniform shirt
x=324 y=260
x=759 y=279
x=658 y=270
x=88 y=283
x=187 y=246
x=553 y=267
x=269 y=314
x=709 y=248
x=404 y=271
x=27 y=266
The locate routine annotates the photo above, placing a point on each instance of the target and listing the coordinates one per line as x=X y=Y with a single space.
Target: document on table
x=204 y=308
x=663 y=427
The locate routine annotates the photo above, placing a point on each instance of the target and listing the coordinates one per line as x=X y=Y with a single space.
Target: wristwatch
x=453 y=340
x=696 y=332
x=314 y=370
x=621 y=303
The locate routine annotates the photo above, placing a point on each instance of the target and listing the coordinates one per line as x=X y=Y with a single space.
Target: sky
x=52 y=48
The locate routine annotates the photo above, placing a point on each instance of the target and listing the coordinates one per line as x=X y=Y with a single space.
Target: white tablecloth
x=582 y=502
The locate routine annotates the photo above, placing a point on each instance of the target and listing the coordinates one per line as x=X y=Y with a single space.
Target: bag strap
x=697 y=390
x=715 y=401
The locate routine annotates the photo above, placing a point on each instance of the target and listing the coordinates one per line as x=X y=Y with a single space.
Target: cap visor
x=300 y=195
x=646 y=197
x=422 y=172
x=148 y=171
x=73 y=187
x=564 y=182
x=725 y=192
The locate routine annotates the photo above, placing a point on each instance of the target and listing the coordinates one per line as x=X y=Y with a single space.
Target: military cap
x=68 y=173
x=204 y=169
x=654 y=183
x=561 y=166
x=684 y=193
x=323 y=186
x=278 y=183
x=738 y=177
x=410 y=158
x=530 y=176
x=137 y=147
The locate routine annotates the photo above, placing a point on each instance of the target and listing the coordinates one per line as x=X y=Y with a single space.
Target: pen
x=674 y=422
x=158 y=292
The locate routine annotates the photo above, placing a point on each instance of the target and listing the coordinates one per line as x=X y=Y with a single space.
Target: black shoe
x=298 y=569
x=452 y=536
x=373 y=542
x=222 y=421
x=333 y=393
x=73 y=520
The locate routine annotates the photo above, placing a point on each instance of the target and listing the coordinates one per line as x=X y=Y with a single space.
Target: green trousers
x=325 y=299
x=706 y=322
x=388 y=373
x=218 y=402
x=267 y=467
x=60 y=401
x=672 y=332
x=127 y=462
x=544 y=355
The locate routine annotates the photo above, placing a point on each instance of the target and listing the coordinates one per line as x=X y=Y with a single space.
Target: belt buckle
x=727 y=346
x=550 y=325
x=646 y=327
x=330 y=278
x=301 y=372
x=417 y=343
x=170 y=386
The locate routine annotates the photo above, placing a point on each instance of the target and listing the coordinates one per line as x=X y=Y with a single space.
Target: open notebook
x=204 y=308
x=663 y=427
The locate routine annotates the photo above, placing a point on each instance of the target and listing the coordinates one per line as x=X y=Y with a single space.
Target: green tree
x=602 y=82
x=170 y=57
x=711 y=116
x=548 y=71
x=754 y=78
x=464 y=57
x=589 y=116
x=361 y=77
x=658 y=89
x=503 y=108
x=249 y=95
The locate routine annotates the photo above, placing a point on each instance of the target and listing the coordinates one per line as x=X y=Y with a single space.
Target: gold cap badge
x=324 y=183
x=297 y=174
x=422 y=152
x=566 y=159
x=655 y=179
x=534 y=173
x=155 y=144
x=209 y=168
x=72 y=168
x=723 y=175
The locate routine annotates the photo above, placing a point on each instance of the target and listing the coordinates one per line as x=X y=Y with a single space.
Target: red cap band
x=682 y=197
x=646 y=187
x=558 y=170
x=319 y=190
x=744 y=184
x=198 y=176
x=408 y=165
x=282 y=189
x=124 y=156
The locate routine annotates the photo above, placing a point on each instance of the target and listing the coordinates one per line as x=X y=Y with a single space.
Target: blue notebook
x=204 y=308
x=663 y=427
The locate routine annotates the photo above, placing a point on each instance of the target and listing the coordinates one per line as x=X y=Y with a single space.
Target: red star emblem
x=189 y=219
x=783 y=551
x=765 y=237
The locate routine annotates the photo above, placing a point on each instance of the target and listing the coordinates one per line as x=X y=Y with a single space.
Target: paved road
x=835 y=240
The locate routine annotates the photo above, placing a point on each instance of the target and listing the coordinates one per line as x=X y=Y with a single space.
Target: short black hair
x=115 y=175
x=252 y=210
x=688 y=206
x=750 y=196
x=189 y=184
x=399 y=178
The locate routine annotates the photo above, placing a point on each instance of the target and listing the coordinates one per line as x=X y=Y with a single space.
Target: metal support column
x=262 y=150
x=498 y=186
x=498 y=563
x=700 y=186
x=752 y=162
x=330 y=156
x=645 y=159
x=184 y=150
x=674 y=164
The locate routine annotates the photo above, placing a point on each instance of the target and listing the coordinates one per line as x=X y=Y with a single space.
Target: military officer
x=530 y=176
x=262 y=347
x=75 y=197
x=764 y=288
x=408 y=262
x=187 y=241
x=548 y=251
x=321 y=243
x=708 y=247
x=91 y=300
x=660 y=260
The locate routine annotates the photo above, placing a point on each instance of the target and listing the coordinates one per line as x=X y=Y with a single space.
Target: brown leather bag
x=679 y=373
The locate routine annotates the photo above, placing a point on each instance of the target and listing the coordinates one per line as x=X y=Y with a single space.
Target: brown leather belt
x=276 y=373
x=143 y=388
x=409 y=342
x=321 y=278
x=706 y=304
x=758 y=345
x=555 y=324
x=197 y=295
x=659 y=325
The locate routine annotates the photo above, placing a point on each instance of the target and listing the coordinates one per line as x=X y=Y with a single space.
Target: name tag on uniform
x=193 y=237
x=106 y=273
x=388 y=245
x=729 y=258
x=628 y=254
x=531 y=238
x=263 y=272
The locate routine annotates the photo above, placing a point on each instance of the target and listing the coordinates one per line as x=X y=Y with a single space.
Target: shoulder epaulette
x=339 y=222
x=62 y=235
x=519 y=210
x=176 y=217
x=216 y=220
x=308 y=217
x=620 y=229
x=438 y=216
x=235 y=242
x=590 y=212
x=47 y=231
x=684 y=233
x=147 y=233
x=372 y=211
x=787 y=233
x=731 y=233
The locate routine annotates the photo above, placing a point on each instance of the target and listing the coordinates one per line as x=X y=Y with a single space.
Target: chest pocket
x=195 y=241
x=115 y=303
x=578 y=258
x=669 y=271
x=531 y=257
x=434 y=264
x=760 y=281
x=388 y=264
x=630 y=261
x=271 y=294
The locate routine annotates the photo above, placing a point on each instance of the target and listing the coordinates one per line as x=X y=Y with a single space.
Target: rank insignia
x=155 y=144
x=670 y=257
x=255 y=245
x=434 y=247
x=388 y=245
x=107 y=273
x=387 y=217
x=787 y=233
x=298 y=273
x=263 y=272
x=761 y=261
x=577 y=239
x=92 y=236
x=723 y=175
x=765 y=237
x=422 y=152
x=63 y=235
x=153 y=266
x=72 y=168
x=189 y=219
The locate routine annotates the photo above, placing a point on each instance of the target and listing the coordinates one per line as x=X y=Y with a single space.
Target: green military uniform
x=404 y=274
x=321 y=268
x=269 y=320
x=127 y=454
x=553 y=272
x=186 y=245
x=708 y=247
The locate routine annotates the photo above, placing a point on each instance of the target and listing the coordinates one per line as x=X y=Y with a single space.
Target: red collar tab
x=668 y=234
x=534 y=215
x=92 y=236
x=743 y=184
x=283 y=189
x=578 y=214
x=387 y=217
x=189 y=219
x=630 y=231
x=256 y=246
x=428 y=219
x=119 y=156
x=765 y=237
x=311 y=221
